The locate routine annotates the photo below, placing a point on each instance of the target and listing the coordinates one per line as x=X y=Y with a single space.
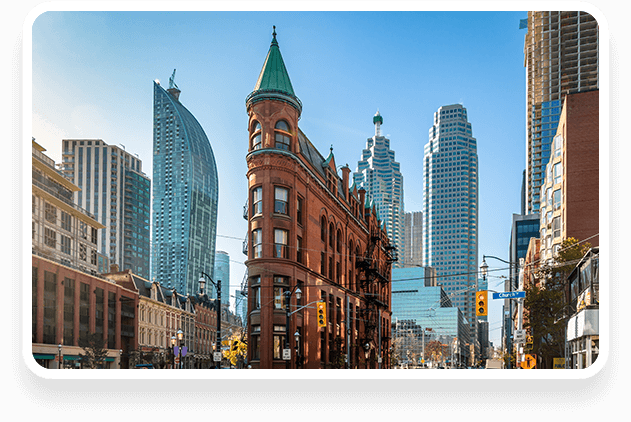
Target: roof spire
x=378 y=121
x=273 y=81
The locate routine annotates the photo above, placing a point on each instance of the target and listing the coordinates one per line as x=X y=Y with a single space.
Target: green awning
x=71 y=357
x=43 y=356
x=109 y=359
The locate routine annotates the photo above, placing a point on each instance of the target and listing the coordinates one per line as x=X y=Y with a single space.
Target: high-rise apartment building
x=561 y=57
x=380 y=176
x=450 y=207
x=185 y=192
x=117 y=192
x=62 y=231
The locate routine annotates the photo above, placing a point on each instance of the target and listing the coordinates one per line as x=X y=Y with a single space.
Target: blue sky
x=93 y=74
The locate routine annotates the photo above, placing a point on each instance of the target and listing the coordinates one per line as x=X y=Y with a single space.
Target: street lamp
x=297 y=338
x=484 y=270
x=202 y=284
x=180 y=338
x=120 y=358
x=59 y=366
x=296 y=290
x=173 y=349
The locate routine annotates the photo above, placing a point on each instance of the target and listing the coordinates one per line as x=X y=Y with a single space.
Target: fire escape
x=371 y=282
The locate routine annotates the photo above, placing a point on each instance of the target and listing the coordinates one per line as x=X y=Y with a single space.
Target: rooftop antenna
x=172 y=84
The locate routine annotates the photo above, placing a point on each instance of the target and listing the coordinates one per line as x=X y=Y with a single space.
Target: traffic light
x=481 y=308
x=321 y=310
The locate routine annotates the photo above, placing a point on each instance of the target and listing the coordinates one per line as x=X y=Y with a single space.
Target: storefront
x=582 y=339
x=47 y=357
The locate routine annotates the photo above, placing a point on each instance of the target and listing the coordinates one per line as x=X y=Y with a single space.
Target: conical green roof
x=274 y=73
x=273 y=81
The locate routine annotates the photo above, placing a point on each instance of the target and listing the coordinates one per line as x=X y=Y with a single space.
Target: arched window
x=332 y=236
x=323 y=228
x=282 y=135
x=339 y=241
x=256 y=136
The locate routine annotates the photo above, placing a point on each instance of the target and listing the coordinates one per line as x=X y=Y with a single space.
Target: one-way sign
x=509 y=295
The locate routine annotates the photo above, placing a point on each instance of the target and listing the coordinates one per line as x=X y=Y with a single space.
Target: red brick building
x=579 y=127
x=68 y=304
x=569 y=194
x=309 y=231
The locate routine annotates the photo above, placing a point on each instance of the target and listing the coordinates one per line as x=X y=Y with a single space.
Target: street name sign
x=509 y=295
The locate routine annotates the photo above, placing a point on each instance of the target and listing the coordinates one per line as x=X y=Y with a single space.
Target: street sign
x=520 y=336
x=286 y=354
x=217 y=356
x=509 y=295
x=529 y=362
x=558 y=363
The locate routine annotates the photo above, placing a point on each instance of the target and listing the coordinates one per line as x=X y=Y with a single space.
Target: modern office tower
x=114 y=189
x=561 y=57
x=380 y=176
x=62 y=231
x=185 y=191
x=413 y=239
x=450 y=207
x=422 y=313
x=222 y=274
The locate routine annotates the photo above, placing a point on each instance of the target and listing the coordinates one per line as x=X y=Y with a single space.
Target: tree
x=93 y=346
x=237 y=350
x=545 y=302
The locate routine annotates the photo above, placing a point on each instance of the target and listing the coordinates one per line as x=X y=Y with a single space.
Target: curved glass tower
x=185 y=190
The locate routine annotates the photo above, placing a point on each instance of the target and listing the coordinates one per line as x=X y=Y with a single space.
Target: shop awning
x=43 y=356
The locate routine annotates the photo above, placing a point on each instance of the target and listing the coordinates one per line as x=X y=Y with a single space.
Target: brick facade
x=579 y=127
x=67 y=303
x=308 y=230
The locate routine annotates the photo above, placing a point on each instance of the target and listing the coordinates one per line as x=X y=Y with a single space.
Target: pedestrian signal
x=481 y=308
x=321 y=310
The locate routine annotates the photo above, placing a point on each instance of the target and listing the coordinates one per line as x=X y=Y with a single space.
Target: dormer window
x=282 y=135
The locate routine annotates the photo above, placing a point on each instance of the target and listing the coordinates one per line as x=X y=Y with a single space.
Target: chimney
x=362 y=198
x=114 y=268
x=345 y=173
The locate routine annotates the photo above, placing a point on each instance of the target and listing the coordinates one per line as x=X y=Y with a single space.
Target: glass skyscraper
x=450 y=207
x=423 y=313
x=380 y=176
x=185 y=191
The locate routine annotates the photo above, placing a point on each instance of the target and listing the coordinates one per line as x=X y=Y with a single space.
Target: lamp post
x=173 y=349
x=120 y=358
x=508 y=322
x=180 y=343
x=60 y=365
x=296 y=290
x=297 y=338
x=202 y=284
